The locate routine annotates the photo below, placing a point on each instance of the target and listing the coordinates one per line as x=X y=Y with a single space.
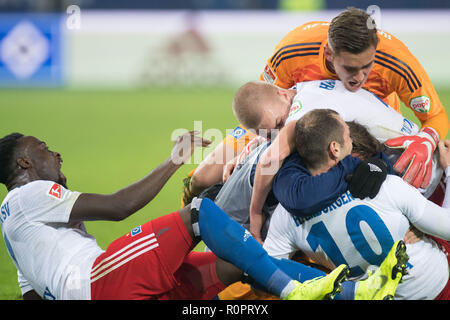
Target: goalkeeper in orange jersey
x=350 y=48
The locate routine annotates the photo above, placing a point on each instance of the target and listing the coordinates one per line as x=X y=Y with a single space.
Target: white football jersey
x=53 y=257
x=362 y=106
x=360 y=233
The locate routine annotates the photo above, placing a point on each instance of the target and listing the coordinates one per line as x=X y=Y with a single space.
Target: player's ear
x=283 y=93
x=328 y=53
x=334 y=149
x=23 y=163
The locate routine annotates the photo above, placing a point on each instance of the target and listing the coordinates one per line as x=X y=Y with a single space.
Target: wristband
x=432 y=133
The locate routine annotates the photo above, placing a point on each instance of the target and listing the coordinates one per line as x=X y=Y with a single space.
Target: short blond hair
x=249 y=101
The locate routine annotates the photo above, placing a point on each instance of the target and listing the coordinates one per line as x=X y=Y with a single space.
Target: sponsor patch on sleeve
x=55 y=191
x=420 y=104
x=268 y=75
x=296 y=106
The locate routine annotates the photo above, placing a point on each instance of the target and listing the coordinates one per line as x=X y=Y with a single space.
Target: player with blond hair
x=349 y=48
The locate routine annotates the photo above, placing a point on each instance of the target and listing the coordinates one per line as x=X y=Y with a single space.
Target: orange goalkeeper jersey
x=396 y=72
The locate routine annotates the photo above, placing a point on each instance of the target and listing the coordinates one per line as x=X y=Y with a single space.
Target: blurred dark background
x=58 y=5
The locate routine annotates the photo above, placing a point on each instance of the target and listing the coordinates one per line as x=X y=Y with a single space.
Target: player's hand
x=228 y=169
x=256 y=225
x=417 y=157
x=413 y=235
x=444 y=153
x=185 y=145
x=258 y=238
x=367 y=178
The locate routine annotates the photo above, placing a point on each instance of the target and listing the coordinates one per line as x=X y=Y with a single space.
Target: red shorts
x=154 y=261
x=445 y=247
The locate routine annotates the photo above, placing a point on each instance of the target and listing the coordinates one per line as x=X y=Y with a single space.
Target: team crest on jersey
x=55 y=191
x=296 y=107
x=420 y=104
x=238 y=132
x=136 y=231
x=269 y=75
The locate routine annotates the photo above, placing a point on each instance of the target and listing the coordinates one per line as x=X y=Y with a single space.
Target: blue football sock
x=301 y=272
x=294 y=270
x=231 y=242
x=298 y=271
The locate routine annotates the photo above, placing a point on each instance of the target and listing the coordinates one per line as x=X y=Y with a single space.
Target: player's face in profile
x=347 y=147
x=46 y=163
x=273 y=118
x=353 y=69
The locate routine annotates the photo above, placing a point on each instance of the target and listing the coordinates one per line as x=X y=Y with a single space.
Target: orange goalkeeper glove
x=417 y=157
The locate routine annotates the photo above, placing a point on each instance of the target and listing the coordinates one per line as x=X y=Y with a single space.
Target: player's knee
x=188 y=221
x=227 y=272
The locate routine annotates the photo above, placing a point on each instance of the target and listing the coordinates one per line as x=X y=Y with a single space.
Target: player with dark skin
x=34 y=161
x=26 y=162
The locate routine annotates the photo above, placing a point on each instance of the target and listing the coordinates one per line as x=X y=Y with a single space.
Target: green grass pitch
x=109 y=139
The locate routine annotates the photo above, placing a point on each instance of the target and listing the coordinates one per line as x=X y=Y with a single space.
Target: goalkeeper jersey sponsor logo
x=420 y=104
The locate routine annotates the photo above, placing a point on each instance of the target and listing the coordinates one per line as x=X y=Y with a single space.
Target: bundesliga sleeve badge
x=55 y=191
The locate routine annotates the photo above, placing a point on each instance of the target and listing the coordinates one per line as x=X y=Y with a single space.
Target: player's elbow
x=204 y=178
x=199 y=182
x=196 y=182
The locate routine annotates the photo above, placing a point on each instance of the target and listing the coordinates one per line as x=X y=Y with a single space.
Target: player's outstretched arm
x=126 y=201
x=266 y=169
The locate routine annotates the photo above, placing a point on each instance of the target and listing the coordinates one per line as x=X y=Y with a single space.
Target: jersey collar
x=323 y=68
